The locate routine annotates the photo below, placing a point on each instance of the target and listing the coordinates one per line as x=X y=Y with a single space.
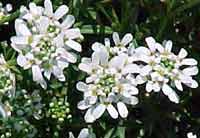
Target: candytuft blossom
x=106 y=88
x=164 y=71
x=45 y=41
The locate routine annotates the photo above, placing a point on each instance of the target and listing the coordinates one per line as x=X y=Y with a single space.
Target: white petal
x=133 y=100
x=84 y=133
x=191 y=71
x=43 y=24
x=170 y=93
x=107 y=42
x=33 y=8
x=21 y=60
x=116 y=38
x=89 y=118
x=60 y=12
x=48 y=8
x=59 y=40
x=85 y=68
x=145 y=70
x=67 y=55
x=156 y=87
x=81 y=86
x=142 y=51
x=98 y=111
x=149 y=86
x=19 y=40
x=47 y=74
x=82 y=105
x=183 y=53
x=118 y=61
x=37 y=76
x=178 y=85
x=68 y=22
x=168 y=46
x=140 y=79
x=127 y=39
x=104 y=56
x=23 y=29
x=159 y=47
x=192 y=84
x=131 y=68
x=73 y=33
x=151 y=43
x=74 y=45
x=95 y=58
x=189 y=61
x=58 y=73
x=122 y=109
x=62 y=64
x=112 y=111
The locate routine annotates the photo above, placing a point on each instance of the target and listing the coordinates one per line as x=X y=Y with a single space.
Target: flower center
x=106 y=83
x=167 y=63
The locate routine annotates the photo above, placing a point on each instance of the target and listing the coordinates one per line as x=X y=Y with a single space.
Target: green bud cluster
x=6 y=82
x=16 y=127
x=59 y=110
x=106 y=83
x=169 y=64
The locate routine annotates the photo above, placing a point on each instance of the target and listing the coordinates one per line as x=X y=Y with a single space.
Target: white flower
x=163 y=69
x=83 y=134
x=191 y=135
x=106 y=87
x=44 y=43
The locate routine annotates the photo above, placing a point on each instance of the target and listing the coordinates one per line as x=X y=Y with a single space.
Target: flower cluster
x=162 y=69
x=16 y=127
x=59 y=109
x=114 y=72
x=45 y=41
x=108 y=86
x=7 y=79
x=7 y=86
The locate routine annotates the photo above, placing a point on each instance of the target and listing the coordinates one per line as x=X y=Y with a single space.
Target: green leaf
x=95 y=29
x=120 y=132
x=109 y=133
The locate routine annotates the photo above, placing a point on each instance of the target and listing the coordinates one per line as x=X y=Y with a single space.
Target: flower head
x=163 y=69
x=45 y=42
x=107 y=86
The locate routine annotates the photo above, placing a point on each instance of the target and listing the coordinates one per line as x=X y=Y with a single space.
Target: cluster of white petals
x=45 y=41
x=114 y=72
x=163 y=70
x=108 y=87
